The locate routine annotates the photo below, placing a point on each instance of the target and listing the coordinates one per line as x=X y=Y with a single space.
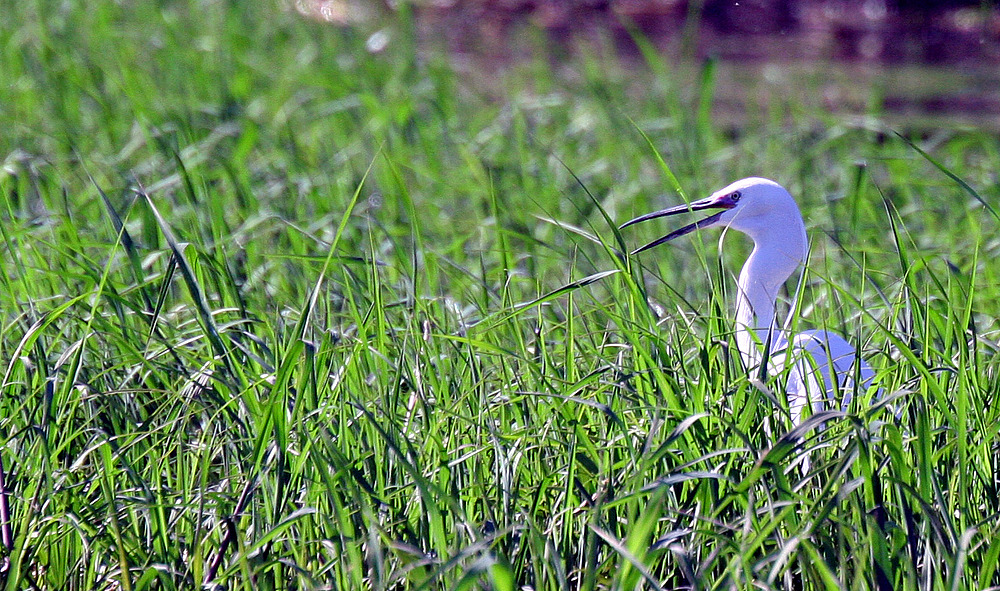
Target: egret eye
x=735 y=196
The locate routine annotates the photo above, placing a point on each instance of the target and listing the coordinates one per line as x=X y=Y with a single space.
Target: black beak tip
x=635 y=221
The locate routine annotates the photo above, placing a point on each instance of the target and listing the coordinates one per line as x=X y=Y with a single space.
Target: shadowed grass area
x=279 y=313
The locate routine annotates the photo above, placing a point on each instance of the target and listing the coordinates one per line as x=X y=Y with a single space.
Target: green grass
x=278 y=313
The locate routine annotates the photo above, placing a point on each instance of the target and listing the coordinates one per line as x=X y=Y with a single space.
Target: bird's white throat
x=770 y=264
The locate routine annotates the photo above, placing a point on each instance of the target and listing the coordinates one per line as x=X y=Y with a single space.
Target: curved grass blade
x=958 y=180
x=503 y=316
x=194 y=287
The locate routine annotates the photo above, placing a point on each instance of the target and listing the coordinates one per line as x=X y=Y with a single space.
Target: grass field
x=282 y=313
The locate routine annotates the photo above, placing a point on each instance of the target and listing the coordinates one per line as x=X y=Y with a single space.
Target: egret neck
x=779 y=249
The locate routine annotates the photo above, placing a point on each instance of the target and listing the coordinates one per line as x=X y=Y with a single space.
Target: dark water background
x=917 y=63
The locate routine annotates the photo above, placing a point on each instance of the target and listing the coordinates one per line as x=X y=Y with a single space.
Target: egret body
x=822 y=367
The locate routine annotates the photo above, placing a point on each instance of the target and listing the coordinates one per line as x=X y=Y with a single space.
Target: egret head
x=760 y=208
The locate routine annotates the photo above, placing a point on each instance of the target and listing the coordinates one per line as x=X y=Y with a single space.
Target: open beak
x=723 y=203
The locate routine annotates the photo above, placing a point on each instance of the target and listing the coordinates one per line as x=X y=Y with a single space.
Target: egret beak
x=724 y=203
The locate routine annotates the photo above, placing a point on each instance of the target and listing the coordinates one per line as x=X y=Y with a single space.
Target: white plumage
x=822 y=366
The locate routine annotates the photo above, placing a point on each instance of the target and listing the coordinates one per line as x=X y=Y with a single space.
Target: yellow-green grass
x=279 y=313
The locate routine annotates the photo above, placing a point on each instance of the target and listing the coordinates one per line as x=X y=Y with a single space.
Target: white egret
x=822 y=367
